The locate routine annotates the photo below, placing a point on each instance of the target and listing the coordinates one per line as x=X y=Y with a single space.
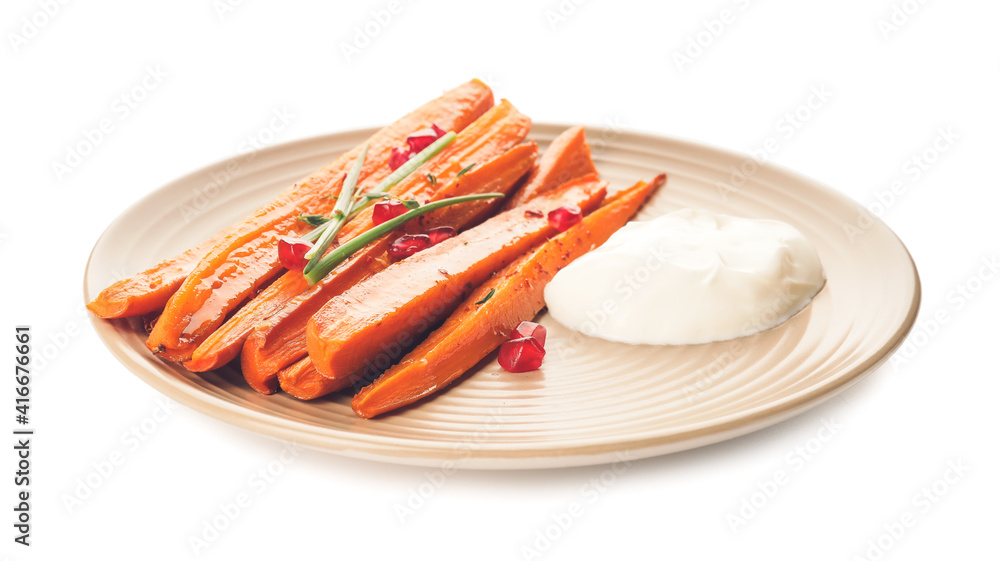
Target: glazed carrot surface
x=247 y=256
x=498 y=129
x=566 y=158
x=303 y=381
x=373 y=323
x=149 y=290
x=278 y=340
x=478 y=327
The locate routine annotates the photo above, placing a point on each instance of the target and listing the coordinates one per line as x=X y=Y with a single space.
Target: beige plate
x=592 y=400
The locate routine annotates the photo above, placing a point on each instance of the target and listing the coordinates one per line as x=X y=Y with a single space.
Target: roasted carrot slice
x=150 y=290
x=248 y=257
x=303 y=381
x=516 y=294
x=567 y=158
x=368 y=327
x=497 y=130
x=281 y=340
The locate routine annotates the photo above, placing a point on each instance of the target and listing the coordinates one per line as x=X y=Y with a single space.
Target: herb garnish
x=487 y=297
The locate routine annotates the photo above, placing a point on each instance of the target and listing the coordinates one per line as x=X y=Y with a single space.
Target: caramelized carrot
x=150 y=290
x=497 y=130
x=567 y=158
x=516 y=294
x=303 y=381
x=371 y=324
x=281 y=340
x=248 y=257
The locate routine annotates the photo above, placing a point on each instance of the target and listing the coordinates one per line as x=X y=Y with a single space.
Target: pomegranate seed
x=533 y=213
x=564 y=217
x=531 y=329
x=424 y=138
x=409 y=244
x=398 y=157
x=387 y=210
x=292 y=252
x=521 y=355
x=440 y=234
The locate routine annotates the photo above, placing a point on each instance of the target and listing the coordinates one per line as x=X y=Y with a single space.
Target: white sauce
x=688 y=277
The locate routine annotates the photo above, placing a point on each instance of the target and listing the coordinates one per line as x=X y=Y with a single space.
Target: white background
x=226 y=71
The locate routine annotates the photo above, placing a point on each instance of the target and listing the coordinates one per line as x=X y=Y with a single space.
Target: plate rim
x=512 y=456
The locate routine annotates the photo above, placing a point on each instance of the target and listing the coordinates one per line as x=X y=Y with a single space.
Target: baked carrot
x=497 y=130
x=150 y=290
x=374 y=322
x=566 y=158
x=490 y=314
x=497 y=175
x=236 y=268
x=303 y=381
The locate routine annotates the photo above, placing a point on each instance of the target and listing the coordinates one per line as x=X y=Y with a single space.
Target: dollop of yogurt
x=688 y=277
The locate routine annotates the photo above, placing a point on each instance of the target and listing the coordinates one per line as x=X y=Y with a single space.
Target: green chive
x=332 y=228
x=432 y=179
x=464 y=170
x=348 y=248
x=313 y=220
x=487 y=297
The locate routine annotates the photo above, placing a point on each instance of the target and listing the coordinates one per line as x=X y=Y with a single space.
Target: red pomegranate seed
x=292 y=252
x=409 y=244
x=424 y=138
x=399 y=157
x=531 y=329
x=533 y=213
x=565 y=216
x=440 y=234
x=521 y=355
x=387 y=210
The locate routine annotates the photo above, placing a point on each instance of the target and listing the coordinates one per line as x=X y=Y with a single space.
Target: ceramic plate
x=593 y=401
